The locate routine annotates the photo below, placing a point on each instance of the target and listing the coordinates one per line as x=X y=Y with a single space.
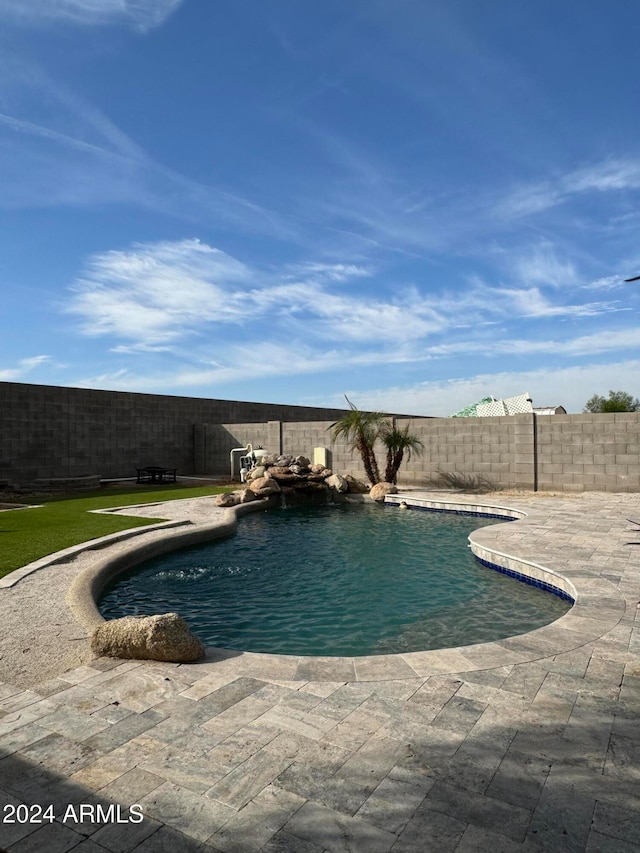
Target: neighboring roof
x=550 y=410
x=490 y=407
x=470 y=411
x=519 y=405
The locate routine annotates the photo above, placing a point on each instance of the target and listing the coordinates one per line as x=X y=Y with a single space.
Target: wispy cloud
x=608 y=341
x=531 y=302
x=570 y=387
x=141 y=15
x=541 y=266
x=156 y=293
x=58 y=149
x=178 y=297
x=608 y=176
x=23 y=368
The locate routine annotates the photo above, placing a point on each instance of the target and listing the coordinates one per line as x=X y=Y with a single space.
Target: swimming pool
x=339 y=581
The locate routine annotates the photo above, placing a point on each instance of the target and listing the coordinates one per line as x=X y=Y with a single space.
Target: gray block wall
x=568 y=453
x=589 y=452
x=48 y=431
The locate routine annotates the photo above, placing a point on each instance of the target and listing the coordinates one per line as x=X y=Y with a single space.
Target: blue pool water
x=336 y=580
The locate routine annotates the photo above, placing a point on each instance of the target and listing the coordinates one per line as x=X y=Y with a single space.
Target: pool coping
x=597 y=609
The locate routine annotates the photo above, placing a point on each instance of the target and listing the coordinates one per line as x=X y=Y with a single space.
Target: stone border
x=83 y=594
x=598 y=608
x=92 y=545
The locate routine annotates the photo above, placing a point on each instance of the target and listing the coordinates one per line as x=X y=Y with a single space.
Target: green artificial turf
x=30 y=533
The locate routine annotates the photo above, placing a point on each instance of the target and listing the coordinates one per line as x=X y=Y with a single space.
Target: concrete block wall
x=589 y=452
x=532 y=452
x=48 y=431
x=499 y=448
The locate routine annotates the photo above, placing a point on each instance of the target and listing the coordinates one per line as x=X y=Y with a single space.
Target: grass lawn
x=28 y=534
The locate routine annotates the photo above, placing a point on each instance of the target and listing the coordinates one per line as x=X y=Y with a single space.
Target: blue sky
x=415 y=202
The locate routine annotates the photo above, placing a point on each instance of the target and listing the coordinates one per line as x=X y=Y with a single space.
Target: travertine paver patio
x=529 y=744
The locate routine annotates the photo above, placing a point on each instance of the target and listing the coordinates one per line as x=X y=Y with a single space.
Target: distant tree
x=398 y=442
x=617 y=401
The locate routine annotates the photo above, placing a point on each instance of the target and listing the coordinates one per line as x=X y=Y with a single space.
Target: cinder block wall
x=532 y=452
x=500 y=448
x=589 y=452
x=47 y=431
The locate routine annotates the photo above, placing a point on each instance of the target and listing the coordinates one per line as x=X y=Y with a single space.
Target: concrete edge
x=84 y=591
x=90 y=545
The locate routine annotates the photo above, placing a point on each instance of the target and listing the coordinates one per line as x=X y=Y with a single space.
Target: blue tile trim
x=547 y=587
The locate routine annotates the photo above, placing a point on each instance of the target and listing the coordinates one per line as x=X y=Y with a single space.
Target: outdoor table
x=156 y=474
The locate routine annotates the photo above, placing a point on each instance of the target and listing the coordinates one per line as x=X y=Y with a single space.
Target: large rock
x=264 y=486
x=356 y=487
x=378 y=491
x=164 y=637
x=247 y=496
x=337 y=482
x=227 y=499
x=317 y=468
x=283 y=461
x=257 y=471
x=285 y=476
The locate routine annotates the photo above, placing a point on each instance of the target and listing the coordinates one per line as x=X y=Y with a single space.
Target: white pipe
x=238 y=450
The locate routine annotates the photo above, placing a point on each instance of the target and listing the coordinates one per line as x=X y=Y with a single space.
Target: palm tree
x=398 y=442
x=361 y=429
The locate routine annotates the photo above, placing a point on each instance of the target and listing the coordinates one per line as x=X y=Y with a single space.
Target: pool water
x=336 y=580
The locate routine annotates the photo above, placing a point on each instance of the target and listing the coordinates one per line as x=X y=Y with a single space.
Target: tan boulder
x=337 y=482
x=356 y=487
x=264 y=486
x=246 y=496
x=227 y=499
x=165 y=637
x=378 y=491
x=317 y=468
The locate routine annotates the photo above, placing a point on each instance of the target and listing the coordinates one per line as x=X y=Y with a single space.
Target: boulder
x=268 y=459
x=298 y=469
x=283 y=461
x=356 y=487
x=227 y=499
x=246 y=496
x=335 y=481
x=302 y=461
x=264 y=486
x=285 y=476
x=254 y=473
x=321 y=471
x=378 y=491
x=165 y=637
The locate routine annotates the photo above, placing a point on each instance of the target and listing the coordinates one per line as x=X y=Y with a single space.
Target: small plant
x=478 y=483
